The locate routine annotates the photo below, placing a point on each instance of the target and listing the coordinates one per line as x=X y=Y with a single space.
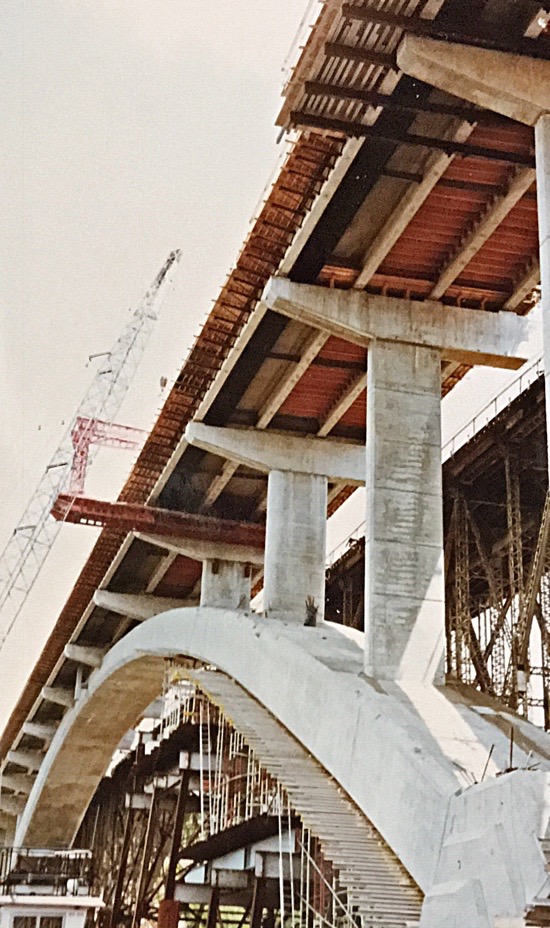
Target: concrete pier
x=299 y=470
x=295 y=546
x=225 y=584
x=404 y=584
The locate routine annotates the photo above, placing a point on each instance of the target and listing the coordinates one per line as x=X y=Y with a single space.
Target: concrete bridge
x=425 y=228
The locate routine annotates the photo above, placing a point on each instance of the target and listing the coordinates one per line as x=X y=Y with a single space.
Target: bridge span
x=300 y=771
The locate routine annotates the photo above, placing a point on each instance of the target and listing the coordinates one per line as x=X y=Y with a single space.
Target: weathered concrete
x=400 y=752
x=514 y=85
x=202 y=550
x=266 y=451
x=470 y=336
x=225 y=584
x=295 y=546
x=542 y=144
x=404 y=584
x=137 y=606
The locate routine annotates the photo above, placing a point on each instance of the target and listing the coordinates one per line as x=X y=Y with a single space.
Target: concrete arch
x=399 y=754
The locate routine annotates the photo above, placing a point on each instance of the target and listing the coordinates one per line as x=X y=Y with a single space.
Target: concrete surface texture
x=295 y=546
x=471 y=336
x=266 y=451
x=409 y=755
x=225 y=584
x=514 y=85
x=404 y=582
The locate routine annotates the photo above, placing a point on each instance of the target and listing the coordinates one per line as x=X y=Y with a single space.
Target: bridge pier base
x=404 y=583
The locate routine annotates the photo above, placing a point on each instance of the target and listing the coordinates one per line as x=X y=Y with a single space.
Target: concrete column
x=225 y=584
x=295 y=545
x=542 y=144
x=404 y=588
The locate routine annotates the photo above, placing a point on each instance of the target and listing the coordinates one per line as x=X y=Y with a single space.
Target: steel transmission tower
x=33 y=537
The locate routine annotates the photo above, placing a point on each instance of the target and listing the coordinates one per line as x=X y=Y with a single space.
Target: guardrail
x=492 y=409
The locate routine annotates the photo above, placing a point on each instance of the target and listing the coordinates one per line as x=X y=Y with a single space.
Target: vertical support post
x=225 y=584
x=542 y=147
x=404 y=583
x=295 y=545
x=121 y=873
x=179 y=819
x=212 y=918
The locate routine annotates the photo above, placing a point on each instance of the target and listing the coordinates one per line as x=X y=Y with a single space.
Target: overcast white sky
x=128 y=128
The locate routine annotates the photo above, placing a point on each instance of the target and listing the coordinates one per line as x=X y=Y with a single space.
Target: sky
x=128 y=128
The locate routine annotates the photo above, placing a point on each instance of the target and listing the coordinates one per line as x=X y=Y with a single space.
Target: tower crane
x=33 y=537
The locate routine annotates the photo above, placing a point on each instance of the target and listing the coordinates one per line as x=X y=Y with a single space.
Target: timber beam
x=464 y=335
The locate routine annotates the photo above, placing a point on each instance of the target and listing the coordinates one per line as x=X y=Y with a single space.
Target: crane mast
x=32 y=539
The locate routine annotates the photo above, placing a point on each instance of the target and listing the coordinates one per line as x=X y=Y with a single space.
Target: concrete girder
x=269 y=451
x=470 y=336
x=136 y=606
x=309 y=351
x=498 y=211
x=513 y=85
x=524 y=286
x=409 y=204
x=342 y=405
x=434 y=743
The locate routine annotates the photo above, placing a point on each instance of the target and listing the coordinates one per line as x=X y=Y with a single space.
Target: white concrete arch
x=401 y=754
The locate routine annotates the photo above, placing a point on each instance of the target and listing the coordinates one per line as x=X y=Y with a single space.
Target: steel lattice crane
x=32 y=539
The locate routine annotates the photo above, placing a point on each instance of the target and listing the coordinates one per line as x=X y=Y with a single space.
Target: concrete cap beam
x=469 y=336
x=514 y=85
x=12 y=805
x=18 y=782
x=137 y=606
x=295 y=454
x=205 y=550
x=39 y=730
x=32 y=760
x=90 y=657
x=58 y=695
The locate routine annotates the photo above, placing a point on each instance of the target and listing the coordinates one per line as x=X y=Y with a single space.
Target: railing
x=60 y=873
x=492 y=409
x=486 y=414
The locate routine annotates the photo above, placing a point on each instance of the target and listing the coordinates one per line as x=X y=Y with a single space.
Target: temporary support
x=407 y=341
x=295 y=543
x=542 y=145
